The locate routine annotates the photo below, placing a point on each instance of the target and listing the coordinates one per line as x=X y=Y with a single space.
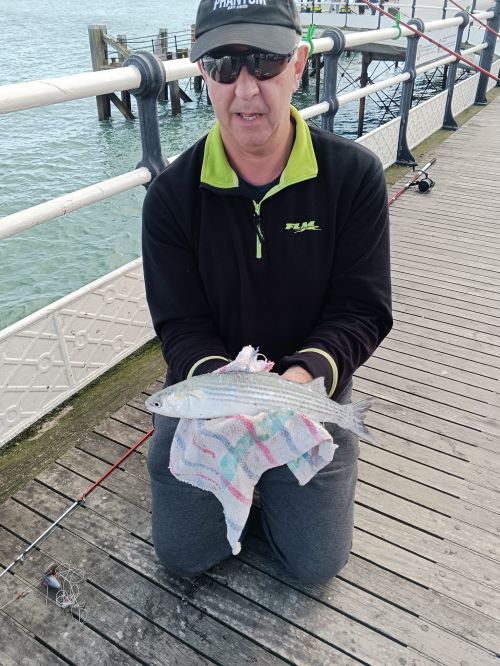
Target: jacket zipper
x=260 y=238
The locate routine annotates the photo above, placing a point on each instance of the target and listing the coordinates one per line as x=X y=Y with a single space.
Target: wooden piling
x=173 y=86
x=305 y=77
x=99 y=55
x=318 y=76
x=363 y=80
x=162 y=42
x=197 y=81
x=125 y=95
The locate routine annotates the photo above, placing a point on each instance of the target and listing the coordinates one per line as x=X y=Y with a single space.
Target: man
x=268 y=233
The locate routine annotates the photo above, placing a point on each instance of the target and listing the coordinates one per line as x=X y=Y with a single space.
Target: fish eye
x=156 y=403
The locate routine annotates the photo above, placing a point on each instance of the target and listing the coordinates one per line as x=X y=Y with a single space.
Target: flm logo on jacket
x=299 y=227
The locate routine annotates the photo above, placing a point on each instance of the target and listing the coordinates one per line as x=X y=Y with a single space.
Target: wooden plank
x=164 y=623
x=467 y=318
x=407 y=429
x=410 y=565
x=470 y=269
x=434 y=235
x=109 y=451
x=458 y=559
x=418 y=382
x=404 y=262
x=423 y=325
x=458 y=467
x=410 y=352
x=128 y=486
x=139 y=418
x=413 y=328
x=119 y=432
x=390 y=619
x=449 y=247
x=451 y=422
x=135 y=519
x=75 y=642
x=461 y=303
x=428 y=574
x=211 y=598
x=450 y=322
x=454 y=230
x=113 y=621
x=466 y=295
x=429 y=520
x=432 y=478
x=18 y=648
x=317 y=619
x=430 y=498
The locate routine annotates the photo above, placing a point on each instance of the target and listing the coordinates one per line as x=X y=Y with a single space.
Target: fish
x=216 y=395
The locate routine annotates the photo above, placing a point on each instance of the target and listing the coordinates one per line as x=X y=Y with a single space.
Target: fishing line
x=475 y=18
x=79 y=502
x=433 y=41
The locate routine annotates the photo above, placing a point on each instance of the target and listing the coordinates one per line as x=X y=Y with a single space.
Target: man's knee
x=317 y=569
x=186 y=562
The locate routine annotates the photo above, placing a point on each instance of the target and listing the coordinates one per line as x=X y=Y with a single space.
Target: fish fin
x=359 y=411
x=318 y=385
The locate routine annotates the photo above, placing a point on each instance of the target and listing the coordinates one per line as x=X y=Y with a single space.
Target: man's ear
x=202 y=71
x=300 y=62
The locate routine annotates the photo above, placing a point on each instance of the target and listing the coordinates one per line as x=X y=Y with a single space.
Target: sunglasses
x=262 y=65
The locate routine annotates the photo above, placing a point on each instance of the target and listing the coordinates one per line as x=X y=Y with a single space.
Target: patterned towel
x=227 y=456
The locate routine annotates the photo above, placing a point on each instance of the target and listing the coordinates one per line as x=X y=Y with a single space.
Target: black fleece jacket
x=307 y=270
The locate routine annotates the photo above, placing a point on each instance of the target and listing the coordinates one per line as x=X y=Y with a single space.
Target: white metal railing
x=21 y=96
x=33 y=94
x=30 y=217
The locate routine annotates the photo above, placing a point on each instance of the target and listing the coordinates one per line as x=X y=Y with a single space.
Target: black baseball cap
x=266 y=25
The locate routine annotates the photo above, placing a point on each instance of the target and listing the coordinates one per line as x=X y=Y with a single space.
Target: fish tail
x=359 y=411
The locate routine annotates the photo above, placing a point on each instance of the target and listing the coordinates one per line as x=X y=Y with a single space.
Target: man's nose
x=246 y=85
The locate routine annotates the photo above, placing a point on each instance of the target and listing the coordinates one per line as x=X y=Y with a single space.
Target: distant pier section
x=109 y=52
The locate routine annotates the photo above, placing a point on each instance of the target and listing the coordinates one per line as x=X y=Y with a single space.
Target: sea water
x=48 y=152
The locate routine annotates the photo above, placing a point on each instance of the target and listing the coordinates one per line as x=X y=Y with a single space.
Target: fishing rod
x=79 y=502
x=424 y=185
x=433 y=41
x=485 y=25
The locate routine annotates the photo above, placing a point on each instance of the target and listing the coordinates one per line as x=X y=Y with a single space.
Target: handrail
x=33 y=94
x=31 y=217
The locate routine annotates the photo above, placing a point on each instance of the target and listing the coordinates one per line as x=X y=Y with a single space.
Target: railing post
x=331 y=59
x=404 y=156
x=152 y=82
x=449 y=121
x=487 y=55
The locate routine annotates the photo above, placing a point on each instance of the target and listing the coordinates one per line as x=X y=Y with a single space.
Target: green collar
x=217 y=172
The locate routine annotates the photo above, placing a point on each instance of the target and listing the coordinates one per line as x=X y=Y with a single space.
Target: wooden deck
x=422 y=584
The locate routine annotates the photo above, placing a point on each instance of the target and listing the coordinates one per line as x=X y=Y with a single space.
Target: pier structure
x=422 y=582
x=108 y=52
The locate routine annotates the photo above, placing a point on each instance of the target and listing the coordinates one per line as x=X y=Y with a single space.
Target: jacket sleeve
x=357 y=312
x=174 y=291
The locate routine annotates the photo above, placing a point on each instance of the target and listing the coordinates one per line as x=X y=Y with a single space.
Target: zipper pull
x=258 y=229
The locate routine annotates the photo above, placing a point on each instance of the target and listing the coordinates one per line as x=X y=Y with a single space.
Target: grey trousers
x=308 y=527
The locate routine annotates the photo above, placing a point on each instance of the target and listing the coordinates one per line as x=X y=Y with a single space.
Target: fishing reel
x=425 y=184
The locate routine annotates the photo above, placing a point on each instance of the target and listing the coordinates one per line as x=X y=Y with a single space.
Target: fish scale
x=218 y=395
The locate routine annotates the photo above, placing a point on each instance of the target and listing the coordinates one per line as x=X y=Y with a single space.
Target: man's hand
x=297 y=374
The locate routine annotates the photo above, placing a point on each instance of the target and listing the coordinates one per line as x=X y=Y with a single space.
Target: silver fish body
x=249 y=393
